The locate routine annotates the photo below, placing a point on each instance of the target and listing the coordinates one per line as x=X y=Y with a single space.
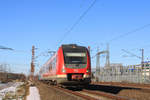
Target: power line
x=82 y=2
x=132 y=54
x=130 y=32
x=5 y=48
x=77 y=21
x=138 y=48
x=12 y=49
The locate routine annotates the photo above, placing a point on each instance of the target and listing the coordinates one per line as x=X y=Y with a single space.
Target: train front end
x=76 y=65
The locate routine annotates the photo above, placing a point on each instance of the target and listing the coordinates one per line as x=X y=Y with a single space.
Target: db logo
x=75 y=70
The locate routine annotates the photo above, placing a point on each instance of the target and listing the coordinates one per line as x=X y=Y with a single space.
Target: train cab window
x=75 y=58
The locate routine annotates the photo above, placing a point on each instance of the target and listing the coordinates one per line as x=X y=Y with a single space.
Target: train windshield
x=75 y=58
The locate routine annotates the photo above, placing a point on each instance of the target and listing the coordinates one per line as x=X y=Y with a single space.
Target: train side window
x=50 y=67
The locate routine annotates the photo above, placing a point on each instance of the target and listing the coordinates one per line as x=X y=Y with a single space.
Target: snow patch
x=11 y=89
x=34 y=94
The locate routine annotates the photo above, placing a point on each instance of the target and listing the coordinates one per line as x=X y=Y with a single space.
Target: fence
x=129 y=74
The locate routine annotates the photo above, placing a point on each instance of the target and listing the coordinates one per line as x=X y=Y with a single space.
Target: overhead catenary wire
x=144 y=46
x=130 y=32
x=132 y=54
x=5 y=48
x=76 y=22
x=82 y=2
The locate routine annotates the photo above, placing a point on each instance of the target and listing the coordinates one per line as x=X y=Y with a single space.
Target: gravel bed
x=130 y=90
x=47 y=93
x=135 y=94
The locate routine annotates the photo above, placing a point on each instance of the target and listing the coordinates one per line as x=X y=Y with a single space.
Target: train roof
x=72 y=47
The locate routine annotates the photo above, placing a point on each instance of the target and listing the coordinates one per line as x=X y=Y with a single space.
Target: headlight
x=63 y=70
x=87 y=70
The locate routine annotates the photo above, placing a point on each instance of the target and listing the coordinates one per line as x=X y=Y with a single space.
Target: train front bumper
x=65 y=81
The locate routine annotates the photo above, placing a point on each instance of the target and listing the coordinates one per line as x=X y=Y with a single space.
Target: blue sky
x=43 y=23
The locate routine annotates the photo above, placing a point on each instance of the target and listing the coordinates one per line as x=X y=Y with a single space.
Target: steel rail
x=107 y=95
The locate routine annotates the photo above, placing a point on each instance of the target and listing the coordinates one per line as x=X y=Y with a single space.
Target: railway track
x=90 y=94
x=121 y=84
x=106 y=95
x=141 y=87
x=86 y=97
x=94 y=95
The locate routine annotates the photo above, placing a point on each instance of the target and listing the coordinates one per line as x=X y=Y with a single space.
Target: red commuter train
x=70 y=65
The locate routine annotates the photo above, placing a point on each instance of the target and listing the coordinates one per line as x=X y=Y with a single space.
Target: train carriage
x=70 y=65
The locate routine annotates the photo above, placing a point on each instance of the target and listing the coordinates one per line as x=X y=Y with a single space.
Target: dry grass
x=135 y=94
x=47 y=93
x=26 y=91
x=20 y=93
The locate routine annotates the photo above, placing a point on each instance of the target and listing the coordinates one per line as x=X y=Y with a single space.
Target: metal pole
x=142 y=62
x=107 y=57
x=97 y=65
x=32 y=63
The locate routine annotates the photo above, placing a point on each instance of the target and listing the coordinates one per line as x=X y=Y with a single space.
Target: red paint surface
x=57 y=70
